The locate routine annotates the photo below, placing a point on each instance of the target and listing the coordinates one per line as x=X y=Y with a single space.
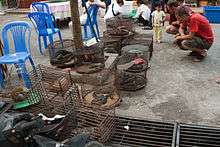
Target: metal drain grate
x=136 y=133
x=197 y=136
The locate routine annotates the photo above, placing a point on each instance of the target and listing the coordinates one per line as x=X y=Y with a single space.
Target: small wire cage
x=90 y=118
x=129 y=76
x=117 y=22
x=66 y=55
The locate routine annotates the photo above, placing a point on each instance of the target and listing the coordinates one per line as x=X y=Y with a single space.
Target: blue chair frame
x=91 y=21
x=18 y=30
x=45 y=28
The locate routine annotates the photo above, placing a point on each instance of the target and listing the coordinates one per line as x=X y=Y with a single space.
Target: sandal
x=193 y=53
x=200 y=57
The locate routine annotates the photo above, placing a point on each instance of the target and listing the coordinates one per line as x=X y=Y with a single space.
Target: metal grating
x=141 y=133
x=197 y=136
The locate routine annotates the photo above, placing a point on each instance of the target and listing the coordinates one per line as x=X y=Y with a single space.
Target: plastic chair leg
x=85 y=32
x=39 y=43
x=60 y=37
x=45 y=41
x=1 y=77
x=32 y=64
x=52 y=45
x=24 y=74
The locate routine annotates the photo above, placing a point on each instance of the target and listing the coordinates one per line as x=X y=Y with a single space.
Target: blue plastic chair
x=44 y=26
x=18 y=30
x=93 y=11
x=40 y=7
x=43 y=7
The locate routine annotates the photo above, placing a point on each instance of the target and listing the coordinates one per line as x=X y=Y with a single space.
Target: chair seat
x=48 y=31
x=14 y=58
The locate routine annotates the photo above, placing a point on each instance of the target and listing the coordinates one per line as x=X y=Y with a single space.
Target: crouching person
x=200 y=35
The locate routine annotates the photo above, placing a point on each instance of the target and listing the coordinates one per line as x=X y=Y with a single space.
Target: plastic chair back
x=42 y=21
x=18 y=30
x=40 y=7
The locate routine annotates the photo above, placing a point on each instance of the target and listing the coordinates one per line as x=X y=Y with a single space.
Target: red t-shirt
x=199 y=25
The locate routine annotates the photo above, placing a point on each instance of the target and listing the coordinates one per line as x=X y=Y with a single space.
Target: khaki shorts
x=197 y=42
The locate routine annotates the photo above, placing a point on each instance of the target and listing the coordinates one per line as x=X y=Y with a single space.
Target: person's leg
x=198 y=46
x=155 y=33
x=159 y=35
x=141 y=20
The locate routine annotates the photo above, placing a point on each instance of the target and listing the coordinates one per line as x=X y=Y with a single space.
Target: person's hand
x=174 y=23
x=178 y=38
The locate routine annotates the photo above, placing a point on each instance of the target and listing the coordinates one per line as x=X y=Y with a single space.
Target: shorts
x=197 y=42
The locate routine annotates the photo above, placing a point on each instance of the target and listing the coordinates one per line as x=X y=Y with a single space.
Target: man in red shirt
x=200 y=37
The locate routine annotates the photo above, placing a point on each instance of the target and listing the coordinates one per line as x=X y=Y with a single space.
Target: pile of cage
x=62 y=96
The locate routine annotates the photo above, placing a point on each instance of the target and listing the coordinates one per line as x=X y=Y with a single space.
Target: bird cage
x=100 y=123
x=129 y=75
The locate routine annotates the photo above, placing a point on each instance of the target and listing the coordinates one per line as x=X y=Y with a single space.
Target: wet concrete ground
x=178 y=89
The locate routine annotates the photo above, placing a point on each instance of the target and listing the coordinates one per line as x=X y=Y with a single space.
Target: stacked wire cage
x=117 y=29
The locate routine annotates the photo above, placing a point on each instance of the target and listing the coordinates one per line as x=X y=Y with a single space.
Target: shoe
x=193 y=53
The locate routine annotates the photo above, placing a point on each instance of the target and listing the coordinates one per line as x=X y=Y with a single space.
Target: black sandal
x=193 y=53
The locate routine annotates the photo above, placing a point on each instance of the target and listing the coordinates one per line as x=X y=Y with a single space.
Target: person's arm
x=138 y=13
x=153 y=18
x=175 y=23
x=185 y=37
x=101 y=4
x=193 y=28
x=163 y=17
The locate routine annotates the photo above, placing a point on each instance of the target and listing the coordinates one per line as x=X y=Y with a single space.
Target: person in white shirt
x=143 y=13
x=114 y=9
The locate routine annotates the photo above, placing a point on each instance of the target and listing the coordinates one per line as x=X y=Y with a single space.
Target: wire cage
x=53 y=85
x=98 y=122
x=141 y=39
x=67 y=55
x=120 y=22
x=65 y=100
x=15 y=91
x=130 y=76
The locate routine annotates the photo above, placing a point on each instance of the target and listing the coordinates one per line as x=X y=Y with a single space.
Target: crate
x=212 y=13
